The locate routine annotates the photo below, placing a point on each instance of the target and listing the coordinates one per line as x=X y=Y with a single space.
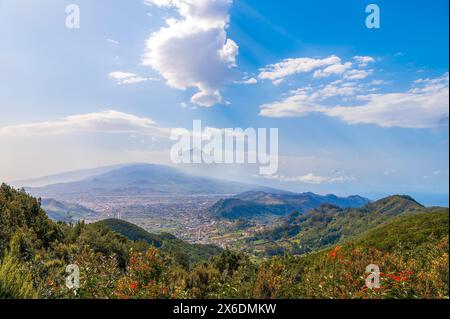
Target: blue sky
x=359 y=111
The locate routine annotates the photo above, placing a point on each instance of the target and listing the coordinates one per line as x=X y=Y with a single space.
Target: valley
x=162 y=199
x=247 y=218
x=186 y=217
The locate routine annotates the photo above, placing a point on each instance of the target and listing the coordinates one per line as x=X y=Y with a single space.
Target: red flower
x=133 y=285
x=334 y=252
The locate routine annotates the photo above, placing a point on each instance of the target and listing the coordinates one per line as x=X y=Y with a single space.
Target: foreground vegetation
x=411 y=251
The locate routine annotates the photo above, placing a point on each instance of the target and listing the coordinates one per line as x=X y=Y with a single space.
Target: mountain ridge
x=142 y=180
x=328 y=224
x=254 y=204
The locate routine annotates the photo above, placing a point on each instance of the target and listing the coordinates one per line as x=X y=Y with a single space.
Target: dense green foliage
x=411 y=248
x=409 y=231
x=15 y=280
x=329 y=225
x=21 y=213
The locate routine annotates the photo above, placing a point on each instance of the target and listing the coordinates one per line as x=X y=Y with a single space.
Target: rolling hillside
x=411 y=232
x=258 y=204
x=183 y=252
x=327 y=225
x=411 y=251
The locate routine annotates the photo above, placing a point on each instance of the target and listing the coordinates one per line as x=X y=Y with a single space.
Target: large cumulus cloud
x=193 y=49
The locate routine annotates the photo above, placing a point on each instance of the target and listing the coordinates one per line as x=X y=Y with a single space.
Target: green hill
x=410 y=250
x=260 y=204
x=410 y=232
x=183 y=252
x=22 y=213
x=329 y=225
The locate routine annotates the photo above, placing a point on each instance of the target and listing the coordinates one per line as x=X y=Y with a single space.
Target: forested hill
x=328 y=225
x=183 y=252
x=260 y=204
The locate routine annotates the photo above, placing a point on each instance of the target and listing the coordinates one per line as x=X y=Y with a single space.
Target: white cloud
x=113 y=41
x=106 y=122
x=337 y=89
x=293 y=106
x=250 y=81
x=363 y=60
x=127 y=78
x=206 y=98
x=389 y=172
x=338 y=68
x=305 y=100
x=193 y=50
x=311 y=179
x=247 y=81
x=322 y=68
x=357 y=74
x=279 y=71
x=378 y=82
x=420 y=107
x=425 y=105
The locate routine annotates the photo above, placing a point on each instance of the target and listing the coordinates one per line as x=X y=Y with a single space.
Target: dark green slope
x=405 y=235
x=260 y=204
x=183 y=252
x=410 y=249
x=20 y=213
x=134 y=232
x=328 y=224
x=408 y=231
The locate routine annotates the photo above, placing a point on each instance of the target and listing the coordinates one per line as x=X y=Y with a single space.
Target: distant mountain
x=183 y=252
x=329 y=224
x=66 y=212
x=141 y=180
x=256 y=204
x=65 y=177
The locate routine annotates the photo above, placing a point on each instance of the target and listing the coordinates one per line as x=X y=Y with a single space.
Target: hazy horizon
x=74 y=175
